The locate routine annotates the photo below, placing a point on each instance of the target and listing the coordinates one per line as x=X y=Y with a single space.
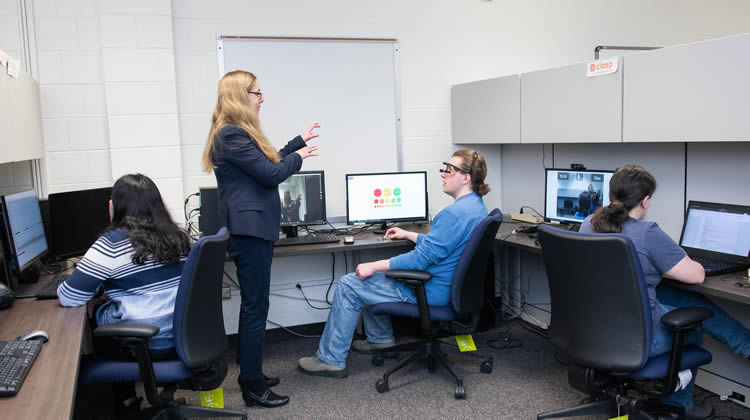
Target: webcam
x=577 y=166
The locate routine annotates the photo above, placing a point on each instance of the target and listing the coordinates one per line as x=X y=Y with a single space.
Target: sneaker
x=317 y=367
x=700 y=412
x=366 y=347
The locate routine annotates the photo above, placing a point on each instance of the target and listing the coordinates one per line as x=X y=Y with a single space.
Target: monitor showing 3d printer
x=571 y=195
x=386 y=197
x=303 y=201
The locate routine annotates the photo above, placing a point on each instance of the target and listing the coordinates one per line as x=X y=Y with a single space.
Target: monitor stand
x=289 y=231
x=382 y=229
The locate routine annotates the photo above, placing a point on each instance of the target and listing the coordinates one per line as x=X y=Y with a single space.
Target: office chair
x=200 y=340
x=601 y=324
x=461 y=314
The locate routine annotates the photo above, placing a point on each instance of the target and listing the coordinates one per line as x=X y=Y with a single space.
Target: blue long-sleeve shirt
x=438 y=252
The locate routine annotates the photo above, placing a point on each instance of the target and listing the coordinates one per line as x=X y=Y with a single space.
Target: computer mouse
x=35 y=335
x=348 y=240
x=7 y=297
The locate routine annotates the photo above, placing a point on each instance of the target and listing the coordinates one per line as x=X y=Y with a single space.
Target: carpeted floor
x=525 y=381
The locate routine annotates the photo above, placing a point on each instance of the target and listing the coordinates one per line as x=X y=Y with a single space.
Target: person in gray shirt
x=630 y=193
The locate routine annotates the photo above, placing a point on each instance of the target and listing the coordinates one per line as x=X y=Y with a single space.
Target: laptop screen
x=717 y=227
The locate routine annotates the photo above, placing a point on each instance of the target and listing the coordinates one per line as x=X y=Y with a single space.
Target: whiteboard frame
x=396 y=74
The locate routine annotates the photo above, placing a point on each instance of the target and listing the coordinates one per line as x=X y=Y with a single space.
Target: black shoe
x=271 y=381
x=263 y=398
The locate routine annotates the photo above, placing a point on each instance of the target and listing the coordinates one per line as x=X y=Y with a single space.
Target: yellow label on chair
x=625 y=417
x=465 y=343
x=213 y=398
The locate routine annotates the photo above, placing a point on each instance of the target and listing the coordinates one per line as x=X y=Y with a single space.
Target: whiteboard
x=349 y=86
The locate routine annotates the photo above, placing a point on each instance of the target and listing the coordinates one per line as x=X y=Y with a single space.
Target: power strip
x=528 y=218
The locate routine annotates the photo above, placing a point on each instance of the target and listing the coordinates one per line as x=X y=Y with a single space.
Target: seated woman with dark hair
x=631 y=190
x=131 y=272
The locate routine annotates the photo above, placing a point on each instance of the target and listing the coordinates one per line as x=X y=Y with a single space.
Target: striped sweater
x=139 y=293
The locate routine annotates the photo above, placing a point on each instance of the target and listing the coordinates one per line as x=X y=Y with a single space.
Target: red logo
x=592 y=67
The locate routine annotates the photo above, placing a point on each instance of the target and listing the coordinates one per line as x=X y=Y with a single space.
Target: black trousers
x=253 y=259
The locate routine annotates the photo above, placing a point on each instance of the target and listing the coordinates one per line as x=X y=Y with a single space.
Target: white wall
x=442 y=43
x=129 y=86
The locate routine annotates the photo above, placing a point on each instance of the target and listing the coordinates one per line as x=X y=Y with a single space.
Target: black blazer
x=247 y=183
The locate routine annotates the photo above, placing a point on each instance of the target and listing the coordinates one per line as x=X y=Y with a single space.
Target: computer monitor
x=571 y=195
x=77 y=218
x=303 y=201
x=386 y=197
x=23 y=236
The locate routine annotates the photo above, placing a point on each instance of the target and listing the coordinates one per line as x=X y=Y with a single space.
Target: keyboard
x=49 y=289
x=307 y=240
x=16 y=358
x=714 y=267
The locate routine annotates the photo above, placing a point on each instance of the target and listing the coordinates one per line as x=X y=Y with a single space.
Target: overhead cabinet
x=562 y=105
x=487 y=111
x=689 y=93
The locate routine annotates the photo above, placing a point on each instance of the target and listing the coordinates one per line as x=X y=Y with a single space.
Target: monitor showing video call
x=571 y=195
x=303 y=199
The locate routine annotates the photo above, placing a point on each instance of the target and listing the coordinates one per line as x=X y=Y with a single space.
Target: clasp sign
x=601 y=67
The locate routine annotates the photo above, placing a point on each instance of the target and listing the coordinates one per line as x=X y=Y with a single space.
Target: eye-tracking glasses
x=451 y=169
x=259 y=94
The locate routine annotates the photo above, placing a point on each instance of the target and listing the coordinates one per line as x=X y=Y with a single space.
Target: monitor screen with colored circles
x=386 y=197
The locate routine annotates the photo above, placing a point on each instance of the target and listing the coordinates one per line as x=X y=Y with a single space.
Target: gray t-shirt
x=657 y=252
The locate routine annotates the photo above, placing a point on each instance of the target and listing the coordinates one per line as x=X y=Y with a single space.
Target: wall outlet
x=226 y=292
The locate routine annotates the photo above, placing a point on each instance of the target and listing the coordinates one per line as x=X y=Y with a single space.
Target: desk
x=310 y=266
x=49 y=389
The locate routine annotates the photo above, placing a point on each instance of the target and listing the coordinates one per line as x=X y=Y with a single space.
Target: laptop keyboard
x=714 y=267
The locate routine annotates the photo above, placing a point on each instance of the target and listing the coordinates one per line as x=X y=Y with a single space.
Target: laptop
x=717 y=236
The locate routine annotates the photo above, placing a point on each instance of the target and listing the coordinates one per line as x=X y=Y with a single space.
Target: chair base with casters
x=173 y=375
x=431 y=348
x=620 y=394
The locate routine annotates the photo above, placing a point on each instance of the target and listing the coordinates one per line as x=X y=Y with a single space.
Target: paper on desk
x=13 y=67
x=3 y=58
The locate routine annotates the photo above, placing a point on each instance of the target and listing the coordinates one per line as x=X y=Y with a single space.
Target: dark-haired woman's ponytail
x=609 y=219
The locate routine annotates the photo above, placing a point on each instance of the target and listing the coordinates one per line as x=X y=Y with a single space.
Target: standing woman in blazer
x=248 y=171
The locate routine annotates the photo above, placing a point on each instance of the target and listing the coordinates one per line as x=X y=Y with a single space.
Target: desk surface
x=49 y=388
x=722 y=286
x=362 y=241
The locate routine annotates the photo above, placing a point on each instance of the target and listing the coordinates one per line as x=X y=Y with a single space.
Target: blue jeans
x=721 y=327
x=352 y=297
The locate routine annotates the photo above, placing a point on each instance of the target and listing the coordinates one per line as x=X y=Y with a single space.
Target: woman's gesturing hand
x=308 y=134
x=307 y=151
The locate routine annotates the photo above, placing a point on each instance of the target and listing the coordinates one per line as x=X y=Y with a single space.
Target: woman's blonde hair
x=233 y=107
x=474 y=164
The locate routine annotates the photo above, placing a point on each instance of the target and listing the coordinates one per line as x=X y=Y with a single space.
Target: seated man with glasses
x=437 y=252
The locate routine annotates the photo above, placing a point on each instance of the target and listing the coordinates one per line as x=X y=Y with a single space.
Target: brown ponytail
x=474 y=164
x=629 y=185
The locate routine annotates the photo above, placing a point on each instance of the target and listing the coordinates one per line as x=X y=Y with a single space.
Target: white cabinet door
x=689 y=93
x=487 y=111
x=562 y=105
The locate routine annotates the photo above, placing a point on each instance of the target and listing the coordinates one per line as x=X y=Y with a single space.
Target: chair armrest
x=410 y=277
x=126 y=329
x=688 y=318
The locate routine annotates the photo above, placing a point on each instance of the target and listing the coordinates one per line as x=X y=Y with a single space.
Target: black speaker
x=208 y=221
